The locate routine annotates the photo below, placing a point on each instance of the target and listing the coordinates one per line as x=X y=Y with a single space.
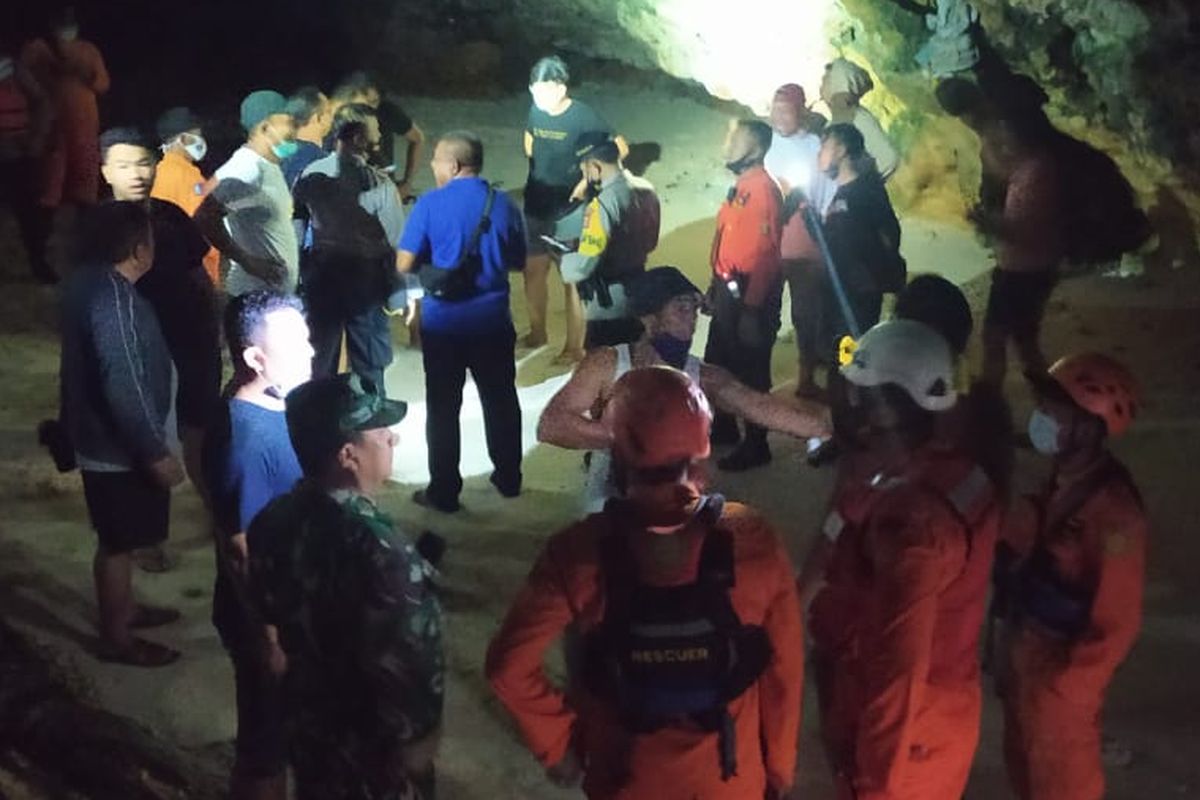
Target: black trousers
x=368 y=343
x=751 y=364
x=18 y=191
x=333 y=309
x=866 y=307
x=490 y=358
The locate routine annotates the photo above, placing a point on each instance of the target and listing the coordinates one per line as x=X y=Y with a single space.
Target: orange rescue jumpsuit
x=75 y=74
x=177 y=180
x=747 y=237
x=1053 y=704
x=565 y=589
x=896 y=628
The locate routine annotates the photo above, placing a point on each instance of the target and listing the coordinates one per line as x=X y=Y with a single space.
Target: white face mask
x=68 y=34
x=197 y=148
x=7 y=68
x=1043 y=432
x=194 y=146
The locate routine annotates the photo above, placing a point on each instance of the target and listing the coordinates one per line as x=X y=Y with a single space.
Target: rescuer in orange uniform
x=896 y=624
x=74 y=72
x=660 y=596
x=178 y=178
x=747 y=285
x=1075 y=599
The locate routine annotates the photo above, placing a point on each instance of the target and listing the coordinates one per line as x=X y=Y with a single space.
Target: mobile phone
x=555 y=243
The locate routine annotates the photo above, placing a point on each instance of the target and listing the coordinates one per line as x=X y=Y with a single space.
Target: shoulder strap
x=961 y=500
x=485 y=222
x=1079 y=494
x=716 y=574
x=618 y=572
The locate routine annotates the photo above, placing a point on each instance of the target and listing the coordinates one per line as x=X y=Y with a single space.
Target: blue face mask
x=1043 y=432
x=285 y=150
x=671 y=350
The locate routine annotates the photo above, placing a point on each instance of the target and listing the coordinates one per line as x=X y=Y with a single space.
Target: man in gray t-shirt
x=353 y=216
x=248 y=214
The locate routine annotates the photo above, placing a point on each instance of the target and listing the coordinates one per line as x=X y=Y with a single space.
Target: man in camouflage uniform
x=357 y=619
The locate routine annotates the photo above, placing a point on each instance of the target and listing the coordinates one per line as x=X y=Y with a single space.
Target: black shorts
x=566 y=226
x=535 y=229
x=128 y=510
x=1017 y=300
x=261 y=744
x=611 y=332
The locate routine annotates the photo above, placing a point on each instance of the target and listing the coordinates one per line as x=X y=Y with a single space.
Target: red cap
x=658 y=417
x=792 y=93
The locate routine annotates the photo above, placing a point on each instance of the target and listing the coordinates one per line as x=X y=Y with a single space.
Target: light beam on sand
x=410 y=463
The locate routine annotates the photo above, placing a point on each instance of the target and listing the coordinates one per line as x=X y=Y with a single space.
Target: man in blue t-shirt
x=249 y=461
x=474 y=333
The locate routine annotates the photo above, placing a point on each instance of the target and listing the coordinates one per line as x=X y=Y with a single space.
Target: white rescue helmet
x=909 y=355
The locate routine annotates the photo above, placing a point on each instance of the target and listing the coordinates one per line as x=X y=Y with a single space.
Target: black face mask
x=742 y=164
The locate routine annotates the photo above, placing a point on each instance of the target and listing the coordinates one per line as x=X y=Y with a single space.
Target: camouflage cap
x=325 y=413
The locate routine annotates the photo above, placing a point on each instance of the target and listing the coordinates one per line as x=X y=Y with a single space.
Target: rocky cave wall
x=1121 y=75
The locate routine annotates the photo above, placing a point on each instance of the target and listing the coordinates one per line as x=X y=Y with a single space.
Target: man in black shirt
x=177 y=287
x=554 y=187
x=863 y=236
x=359 y=87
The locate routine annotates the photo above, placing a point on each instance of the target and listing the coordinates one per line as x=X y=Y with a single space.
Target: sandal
x=138 y=653
x=153 y=616
x=153 y=559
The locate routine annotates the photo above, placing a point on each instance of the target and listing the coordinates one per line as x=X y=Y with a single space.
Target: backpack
x=669 y=655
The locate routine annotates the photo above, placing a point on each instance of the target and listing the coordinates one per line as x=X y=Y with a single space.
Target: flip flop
x=138 y=653
x=153 y=560
x=153 y=616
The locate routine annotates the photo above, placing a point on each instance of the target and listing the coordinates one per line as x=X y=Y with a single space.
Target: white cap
x=907 y=354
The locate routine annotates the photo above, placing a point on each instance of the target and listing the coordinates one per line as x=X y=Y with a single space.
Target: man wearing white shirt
x=792 y=162
x=248 y=215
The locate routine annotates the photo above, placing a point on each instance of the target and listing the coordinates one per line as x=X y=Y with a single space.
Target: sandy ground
x=46 y=546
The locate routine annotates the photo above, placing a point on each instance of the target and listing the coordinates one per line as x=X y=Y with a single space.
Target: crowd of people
x=683 y=618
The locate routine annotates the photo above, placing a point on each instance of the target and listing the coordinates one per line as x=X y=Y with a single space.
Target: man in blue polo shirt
x=473 y=332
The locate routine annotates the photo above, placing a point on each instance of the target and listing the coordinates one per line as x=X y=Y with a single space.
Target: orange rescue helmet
x=658 y=417
x=1102 y=386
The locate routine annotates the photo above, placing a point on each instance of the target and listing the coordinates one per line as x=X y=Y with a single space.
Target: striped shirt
x=115 y=372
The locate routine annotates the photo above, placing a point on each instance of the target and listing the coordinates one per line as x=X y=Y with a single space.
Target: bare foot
x=533 y=339
x=569 y=357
